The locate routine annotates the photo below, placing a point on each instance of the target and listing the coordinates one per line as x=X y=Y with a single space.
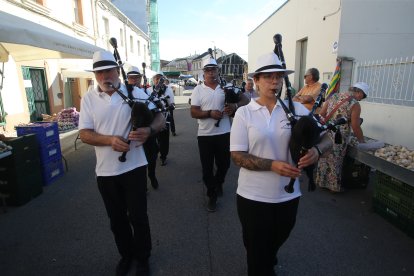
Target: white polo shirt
x=265 y=135
x=210 y=99
x=170 y=93
x=110 y=115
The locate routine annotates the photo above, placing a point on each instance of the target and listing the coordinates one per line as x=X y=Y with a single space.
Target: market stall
x=393 y=196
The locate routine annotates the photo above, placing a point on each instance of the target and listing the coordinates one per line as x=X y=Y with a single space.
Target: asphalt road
x=65 y=230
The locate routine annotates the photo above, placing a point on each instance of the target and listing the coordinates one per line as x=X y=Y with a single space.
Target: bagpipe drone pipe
x=141 y=115
x=306 y=130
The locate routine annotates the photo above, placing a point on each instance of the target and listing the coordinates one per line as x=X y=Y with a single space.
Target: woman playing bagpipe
x=105 y=122
x=259 y=144
x=208 y=106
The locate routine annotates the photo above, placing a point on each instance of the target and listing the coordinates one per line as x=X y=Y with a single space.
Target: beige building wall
x=59 y=16
x=364 y=30
x=299 y=20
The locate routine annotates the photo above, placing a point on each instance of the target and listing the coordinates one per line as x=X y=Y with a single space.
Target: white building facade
x=375 y=40
x=45 y=48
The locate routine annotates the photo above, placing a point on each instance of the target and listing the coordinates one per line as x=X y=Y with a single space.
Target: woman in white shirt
x=259 y=145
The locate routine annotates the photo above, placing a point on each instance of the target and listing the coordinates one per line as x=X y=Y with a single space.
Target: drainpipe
x=95 y=22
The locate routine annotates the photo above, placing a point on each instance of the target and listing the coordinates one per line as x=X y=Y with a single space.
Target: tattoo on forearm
x=251 y=162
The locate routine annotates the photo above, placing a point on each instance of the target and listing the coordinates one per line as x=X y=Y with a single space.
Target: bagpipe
x=141 y=115
x=232 y=92
x=306 y=130
x=162 y=99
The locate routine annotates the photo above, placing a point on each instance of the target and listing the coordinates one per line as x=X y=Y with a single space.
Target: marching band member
x=207 y=106
x=166 y=96
x=259 y=144
x=105 y=123
x=150 y=146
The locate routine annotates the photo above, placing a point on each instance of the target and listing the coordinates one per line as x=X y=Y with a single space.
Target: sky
x=191 y=27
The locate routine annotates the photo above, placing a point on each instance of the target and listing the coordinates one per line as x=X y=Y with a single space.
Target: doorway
x=36 y=92
x=301 y=54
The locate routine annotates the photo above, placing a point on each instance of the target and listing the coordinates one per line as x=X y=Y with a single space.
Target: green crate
x=396 y=185
x=354 y=174
x=394 y=194
x=404 y=205
x=394 y=217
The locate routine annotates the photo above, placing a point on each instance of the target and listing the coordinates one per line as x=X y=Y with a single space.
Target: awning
x=27 y=40
x=70 y=73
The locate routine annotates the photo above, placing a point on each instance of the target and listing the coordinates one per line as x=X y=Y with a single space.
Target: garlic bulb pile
x=398 y=155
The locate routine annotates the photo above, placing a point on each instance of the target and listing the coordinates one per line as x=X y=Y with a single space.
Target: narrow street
x=65 y=230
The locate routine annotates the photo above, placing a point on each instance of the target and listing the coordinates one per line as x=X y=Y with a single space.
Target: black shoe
x=154 y=182
x=174 y=134
x=123 y=266
x=163 y=162
x=212 y=204
x=142 y=268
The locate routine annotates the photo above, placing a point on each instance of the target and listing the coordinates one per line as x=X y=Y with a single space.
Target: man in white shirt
x=208 y=107
x=166 y=96
x=105 y=122
x=250 y=92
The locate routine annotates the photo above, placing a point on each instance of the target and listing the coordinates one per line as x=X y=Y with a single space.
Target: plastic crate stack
x=394 y=200
x=47 y=134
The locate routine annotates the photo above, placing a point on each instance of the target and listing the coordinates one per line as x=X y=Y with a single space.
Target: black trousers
x=151 y=152
x=172 y=123
x=125 y=201
x=214 y=150
x=163 y=138
x=266 y=226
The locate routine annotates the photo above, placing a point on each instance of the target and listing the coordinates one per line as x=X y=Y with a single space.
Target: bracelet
x=209 y=114
x=317 y=148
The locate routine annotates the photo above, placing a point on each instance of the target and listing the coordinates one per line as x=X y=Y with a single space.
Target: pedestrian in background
x=250 y=92
x=259 y=144
x=343 y=104
x=105 y=123
x=171 y=115
x=310 y=92
x=208 y=106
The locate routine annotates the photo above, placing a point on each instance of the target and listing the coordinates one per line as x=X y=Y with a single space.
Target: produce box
x=46 y=132
x=394 y=200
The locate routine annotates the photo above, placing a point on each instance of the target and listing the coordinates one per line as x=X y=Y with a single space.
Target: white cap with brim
x=363 y=86
x=269 y=63
x=103 y=60
x=210 y=63
x=133 y=71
